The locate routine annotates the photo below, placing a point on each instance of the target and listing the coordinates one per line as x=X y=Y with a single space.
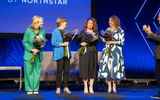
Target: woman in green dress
x=32 y=69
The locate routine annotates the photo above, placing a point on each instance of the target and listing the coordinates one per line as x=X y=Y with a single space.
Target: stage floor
x=124 y=93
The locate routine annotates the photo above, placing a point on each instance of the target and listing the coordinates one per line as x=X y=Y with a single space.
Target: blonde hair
x=60 y=20
x=35 y=21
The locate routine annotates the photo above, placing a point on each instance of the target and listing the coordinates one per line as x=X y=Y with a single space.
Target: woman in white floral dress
x=112 y=65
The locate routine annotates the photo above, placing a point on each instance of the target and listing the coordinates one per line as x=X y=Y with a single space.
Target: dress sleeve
x=99 y=38
x=79 y=39
x=121 y=38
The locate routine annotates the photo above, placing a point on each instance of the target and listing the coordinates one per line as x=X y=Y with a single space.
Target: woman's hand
x=64 y=44
x=76 y=31
x=111 y=42
x=35 y=51
x=84 y=44
x=42 y=46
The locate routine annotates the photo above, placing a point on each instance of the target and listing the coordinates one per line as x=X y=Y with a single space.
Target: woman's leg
x=28 y=76
x=91 y=85
x=37 y=71
x=66 y=71
x=114 y=86
x=66 y=74
x=59 y=75
x=85 y=81
x=109 y=85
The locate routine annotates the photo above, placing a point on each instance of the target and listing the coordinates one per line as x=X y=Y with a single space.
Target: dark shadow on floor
x=69 y=96
x=110 y=96
x=30 y=97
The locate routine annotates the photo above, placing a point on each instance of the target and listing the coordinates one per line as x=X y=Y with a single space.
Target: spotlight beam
x=140 y=31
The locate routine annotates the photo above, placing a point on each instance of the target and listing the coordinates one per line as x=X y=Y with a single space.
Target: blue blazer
x=58 y=51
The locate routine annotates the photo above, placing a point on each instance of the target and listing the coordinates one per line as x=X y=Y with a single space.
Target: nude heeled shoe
x=85 y=90
x=91 y=90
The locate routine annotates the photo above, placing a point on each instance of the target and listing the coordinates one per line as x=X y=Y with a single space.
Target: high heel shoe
x=114 y=92
x=85 y=90
x=91 y=90
x=109 y=92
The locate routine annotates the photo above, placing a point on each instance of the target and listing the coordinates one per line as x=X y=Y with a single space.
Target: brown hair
x=35 y=20
x=60 y=20
x=94 y=24
x=116 y=21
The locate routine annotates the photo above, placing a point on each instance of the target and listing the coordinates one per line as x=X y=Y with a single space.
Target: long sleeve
x=44 y=35
x=103 y=40
x=153 y=37
x=99 y=38
x=121 y=39
x=54 y=39
x=26 y=41
x=79 y=39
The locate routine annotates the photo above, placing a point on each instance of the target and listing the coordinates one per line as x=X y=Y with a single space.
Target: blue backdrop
x=139 y=62
x=16 y=15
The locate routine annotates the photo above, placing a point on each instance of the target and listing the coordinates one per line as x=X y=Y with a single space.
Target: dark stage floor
x=125 y=92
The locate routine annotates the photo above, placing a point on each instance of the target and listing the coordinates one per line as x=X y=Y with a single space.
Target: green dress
x=32 y=70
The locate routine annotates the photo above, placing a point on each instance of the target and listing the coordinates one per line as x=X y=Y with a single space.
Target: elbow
x=123 y=43
x=55 y=44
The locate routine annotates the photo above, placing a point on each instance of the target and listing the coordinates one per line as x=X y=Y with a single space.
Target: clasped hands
x=108 y=42
x=84 y=44
x=35 y=51
x=147 y=29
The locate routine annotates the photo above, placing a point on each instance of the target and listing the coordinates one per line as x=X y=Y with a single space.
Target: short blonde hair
x=35 y=21
x=60 y=20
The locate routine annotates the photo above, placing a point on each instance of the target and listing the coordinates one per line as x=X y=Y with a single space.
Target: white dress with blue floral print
x=112 y=65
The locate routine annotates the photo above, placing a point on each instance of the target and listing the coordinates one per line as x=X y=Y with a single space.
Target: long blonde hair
x=35 y=23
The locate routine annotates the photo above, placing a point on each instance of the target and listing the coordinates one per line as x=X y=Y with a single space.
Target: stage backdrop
x=139 y=62
x=16 y=15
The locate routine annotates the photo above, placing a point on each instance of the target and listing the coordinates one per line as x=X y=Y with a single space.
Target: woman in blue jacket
x=63 y=63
